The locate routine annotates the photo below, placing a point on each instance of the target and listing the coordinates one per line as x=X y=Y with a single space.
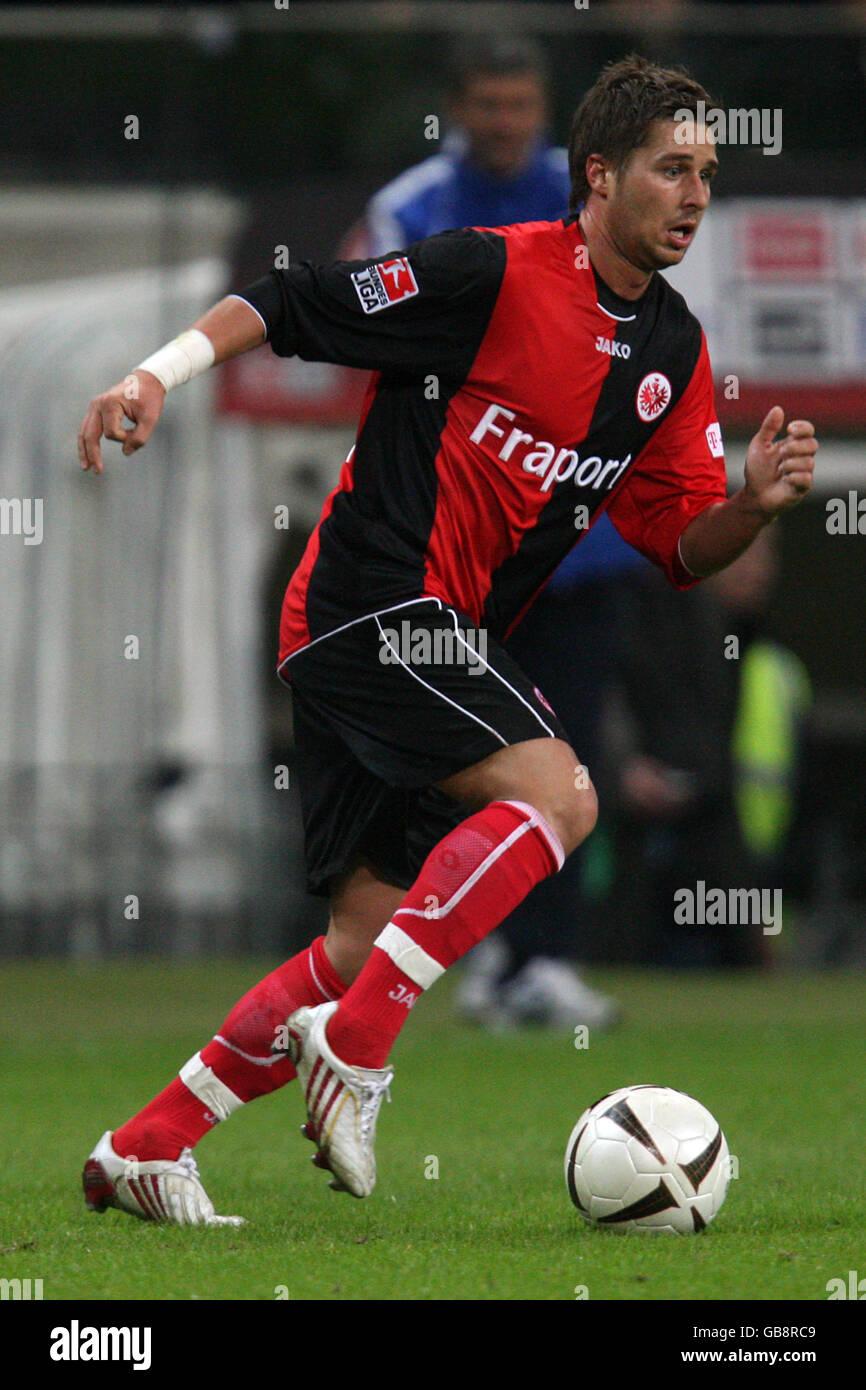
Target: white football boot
x=167 y=1190
x=342 y=1102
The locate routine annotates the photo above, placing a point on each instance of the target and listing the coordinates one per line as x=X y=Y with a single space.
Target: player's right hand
x=138 y=398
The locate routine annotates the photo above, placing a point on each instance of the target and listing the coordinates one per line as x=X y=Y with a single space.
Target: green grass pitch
x=778 y=1059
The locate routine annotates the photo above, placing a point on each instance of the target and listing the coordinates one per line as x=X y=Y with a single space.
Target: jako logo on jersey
x=612 y=347
x=385 y=283
x=653 y=396
x=545 y=460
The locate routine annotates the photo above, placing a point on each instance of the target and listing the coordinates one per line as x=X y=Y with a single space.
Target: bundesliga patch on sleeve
x=388 y=282
x=714 y=439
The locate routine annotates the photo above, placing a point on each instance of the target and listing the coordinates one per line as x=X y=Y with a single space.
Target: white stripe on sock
x=318 y=983
x=408 y=956
x=247 y=1056
x=435 y=914
x=547 y=830
x=212 y=1092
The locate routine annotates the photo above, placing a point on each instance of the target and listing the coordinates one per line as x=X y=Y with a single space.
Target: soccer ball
x=646 y=1158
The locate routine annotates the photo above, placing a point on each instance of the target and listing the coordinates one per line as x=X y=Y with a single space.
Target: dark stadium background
x=260 y=126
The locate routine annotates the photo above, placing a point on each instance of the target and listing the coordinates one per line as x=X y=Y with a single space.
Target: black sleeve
x=422 y=309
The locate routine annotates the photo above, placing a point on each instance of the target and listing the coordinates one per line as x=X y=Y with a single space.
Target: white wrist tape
x=180 y=360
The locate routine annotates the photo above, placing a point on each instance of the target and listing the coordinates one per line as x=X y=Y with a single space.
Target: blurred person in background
x=497 y=166
x=707 y=735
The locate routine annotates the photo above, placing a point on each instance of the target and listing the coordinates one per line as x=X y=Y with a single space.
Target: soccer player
x=523 y=376
x=496 y=166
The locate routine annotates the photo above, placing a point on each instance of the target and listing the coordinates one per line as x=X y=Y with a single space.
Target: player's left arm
x=673 y=503
x=779 y=473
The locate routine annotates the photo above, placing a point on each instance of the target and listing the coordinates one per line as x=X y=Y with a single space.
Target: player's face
x=503 y=116
x=656 y=201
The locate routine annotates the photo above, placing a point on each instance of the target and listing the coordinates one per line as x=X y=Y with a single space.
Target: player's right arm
x=228 y=329
x=419 y=311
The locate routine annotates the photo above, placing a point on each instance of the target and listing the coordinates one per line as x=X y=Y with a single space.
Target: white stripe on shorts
x=454 y=704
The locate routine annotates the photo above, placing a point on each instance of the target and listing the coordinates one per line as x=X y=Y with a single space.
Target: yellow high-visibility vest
x=774 y=695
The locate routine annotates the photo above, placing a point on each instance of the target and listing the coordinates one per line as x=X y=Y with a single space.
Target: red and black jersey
x=514 y=398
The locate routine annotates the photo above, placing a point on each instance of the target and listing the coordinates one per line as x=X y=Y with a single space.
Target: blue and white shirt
x=448 y=191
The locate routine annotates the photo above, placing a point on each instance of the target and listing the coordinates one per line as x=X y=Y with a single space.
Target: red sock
x=469 y=884
x=236 y=1066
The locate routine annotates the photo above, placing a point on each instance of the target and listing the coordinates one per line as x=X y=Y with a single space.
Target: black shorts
x=385 y=707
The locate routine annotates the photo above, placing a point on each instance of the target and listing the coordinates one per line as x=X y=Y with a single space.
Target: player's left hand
x=779 y=472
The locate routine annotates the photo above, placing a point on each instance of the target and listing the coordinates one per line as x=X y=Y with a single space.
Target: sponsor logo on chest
x=545 y=460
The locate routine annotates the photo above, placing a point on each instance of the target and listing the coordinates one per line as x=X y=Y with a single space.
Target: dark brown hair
x=500 y=56
x=615 y=116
